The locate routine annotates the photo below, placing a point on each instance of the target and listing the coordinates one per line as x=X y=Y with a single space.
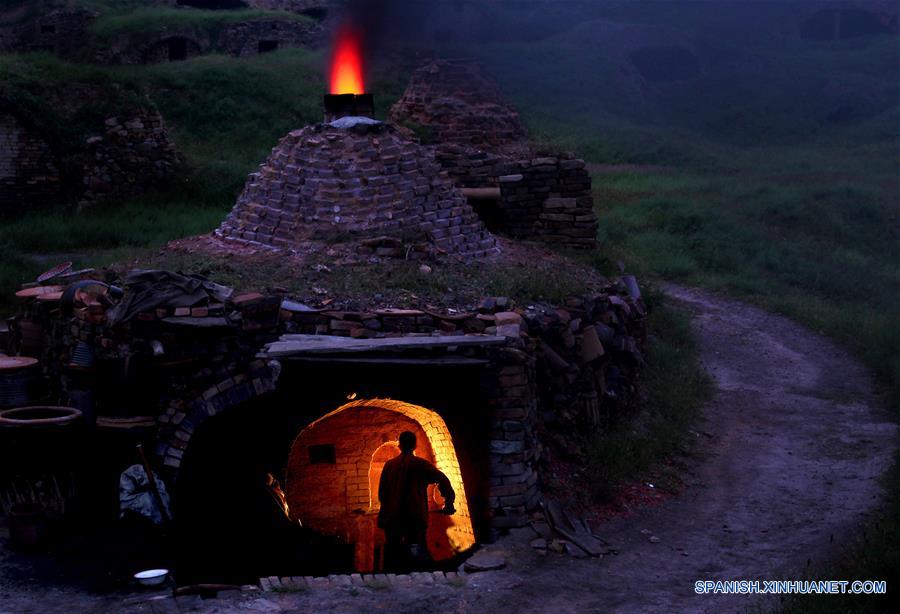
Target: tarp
x=135 y=495
x=146 y=290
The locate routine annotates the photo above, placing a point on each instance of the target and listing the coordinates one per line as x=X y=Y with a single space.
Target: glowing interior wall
x=332 y=494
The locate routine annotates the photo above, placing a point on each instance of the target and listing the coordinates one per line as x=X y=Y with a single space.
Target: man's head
x=407 y=441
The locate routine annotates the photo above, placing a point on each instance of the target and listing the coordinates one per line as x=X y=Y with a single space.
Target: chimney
x=345 y=105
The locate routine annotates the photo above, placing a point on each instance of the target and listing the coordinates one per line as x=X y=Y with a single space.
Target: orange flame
x=346 y=65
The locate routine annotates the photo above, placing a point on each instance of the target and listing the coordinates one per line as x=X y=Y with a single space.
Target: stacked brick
x=480 y=142
x=131 y=155
x=29 y=175
x=207 y=357
x=474 y=168
x=549 y=199
x=515 y=450
x=385 y=323
x=325 y=183
x=458 y=103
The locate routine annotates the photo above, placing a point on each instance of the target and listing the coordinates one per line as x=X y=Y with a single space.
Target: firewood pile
x=590 y=352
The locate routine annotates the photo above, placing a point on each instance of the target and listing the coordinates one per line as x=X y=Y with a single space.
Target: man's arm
x=436 y=476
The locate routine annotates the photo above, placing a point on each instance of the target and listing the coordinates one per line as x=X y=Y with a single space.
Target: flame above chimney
x=347 y=62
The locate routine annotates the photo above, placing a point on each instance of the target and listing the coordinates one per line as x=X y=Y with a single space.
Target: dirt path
x=797 y=442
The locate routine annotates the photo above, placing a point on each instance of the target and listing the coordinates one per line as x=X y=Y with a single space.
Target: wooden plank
x=443 y=361
x=573 y=531
x=290 y=345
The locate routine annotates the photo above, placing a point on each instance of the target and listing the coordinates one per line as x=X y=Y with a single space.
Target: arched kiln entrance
x=335 y=463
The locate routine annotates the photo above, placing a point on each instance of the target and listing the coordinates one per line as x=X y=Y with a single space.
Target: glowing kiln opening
x=335 y=465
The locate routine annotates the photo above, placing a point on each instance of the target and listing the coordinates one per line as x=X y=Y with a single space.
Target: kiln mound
x=355 y=179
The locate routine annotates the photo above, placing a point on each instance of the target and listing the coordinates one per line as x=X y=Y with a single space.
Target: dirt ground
x=794 y=443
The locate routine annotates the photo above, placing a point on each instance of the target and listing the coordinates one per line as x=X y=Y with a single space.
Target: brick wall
x=28 y=173
x=561 y=371
x=542 y=197
x=549 y=199
x=457 y=102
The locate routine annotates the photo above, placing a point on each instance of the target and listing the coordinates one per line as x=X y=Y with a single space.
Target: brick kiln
x=480 y=141
x=228 y=388
x=234 y=392
x=352 y=180
x=457 y=103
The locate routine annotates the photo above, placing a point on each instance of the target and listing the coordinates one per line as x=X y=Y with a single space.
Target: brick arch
x=327 y=480
x=184 y=415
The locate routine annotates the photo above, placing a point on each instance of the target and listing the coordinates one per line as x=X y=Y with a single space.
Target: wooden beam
x=441 y=361
x=481 y=193
x=295 y=345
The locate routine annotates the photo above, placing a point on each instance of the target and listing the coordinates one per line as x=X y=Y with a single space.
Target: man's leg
x=420 y=556
x=393 y=547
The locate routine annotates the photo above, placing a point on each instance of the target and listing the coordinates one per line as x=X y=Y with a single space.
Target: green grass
x=821 y=250
x=153 y=19
x=392 y=283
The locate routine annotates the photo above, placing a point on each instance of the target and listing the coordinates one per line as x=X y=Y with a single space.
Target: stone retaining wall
x=249 y=38
x=240 y=39
x=296 y=6
x=132 y=155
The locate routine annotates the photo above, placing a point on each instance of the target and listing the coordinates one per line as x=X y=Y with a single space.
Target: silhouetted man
x=403 y=493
